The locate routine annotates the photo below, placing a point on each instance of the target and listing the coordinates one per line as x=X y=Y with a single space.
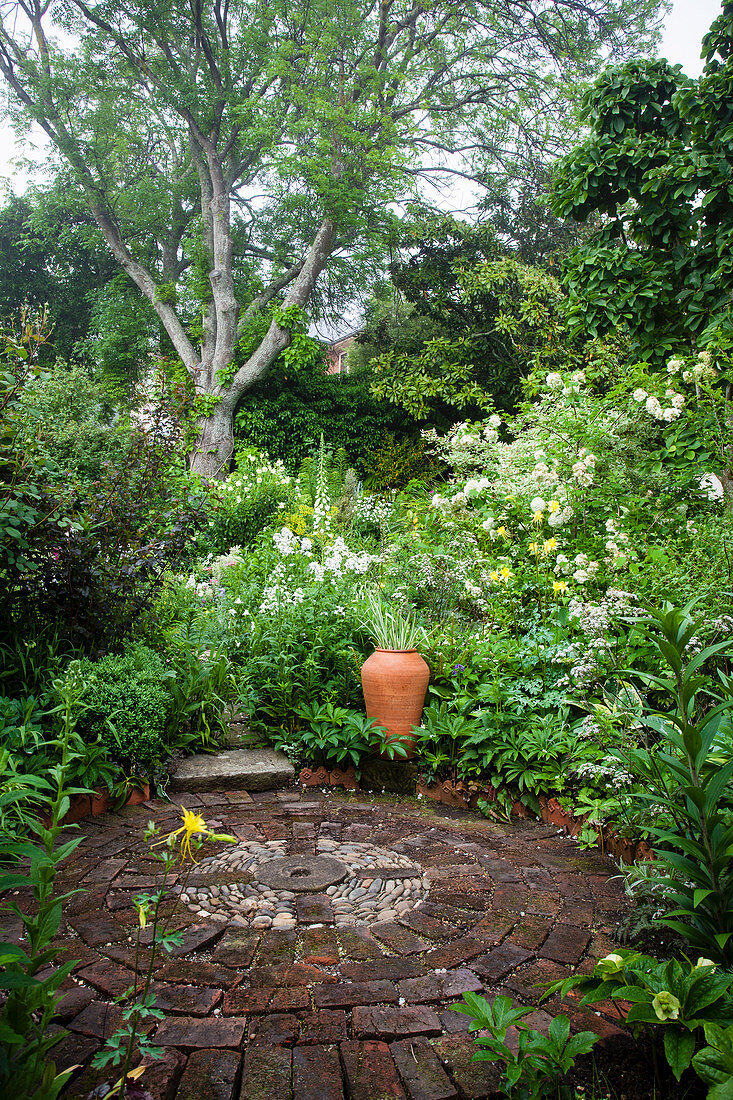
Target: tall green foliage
x=30 y=975
x=657 y=165
x=687 y=781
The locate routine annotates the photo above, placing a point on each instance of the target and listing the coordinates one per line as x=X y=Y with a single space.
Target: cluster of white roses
x=474 y=487
x=671 y=408
x=558 y=511
x=702 y=371
x=654 y=407
x=555 y=381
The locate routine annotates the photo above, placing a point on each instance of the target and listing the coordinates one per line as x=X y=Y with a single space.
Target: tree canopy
x=657 y=165
x=230 y=152
x=46 y=260
x=462 y=322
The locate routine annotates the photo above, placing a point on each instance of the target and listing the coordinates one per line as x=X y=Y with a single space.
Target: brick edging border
x=465 y=796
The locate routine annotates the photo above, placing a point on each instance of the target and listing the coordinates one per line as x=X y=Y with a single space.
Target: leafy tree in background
x=519 y=211
x=53 y=257
x=658 y=166
x=274 y=133
x=286 y=413
x=47 y=259
x=473 y=324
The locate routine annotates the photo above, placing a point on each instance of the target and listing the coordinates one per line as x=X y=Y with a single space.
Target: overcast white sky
x=684 y=28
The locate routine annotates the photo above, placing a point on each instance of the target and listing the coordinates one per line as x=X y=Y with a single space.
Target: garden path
x=321 y=1008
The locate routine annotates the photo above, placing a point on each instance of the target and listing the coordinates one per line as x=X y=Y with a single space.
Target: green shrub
x=126 y=706
x=74 y=420
x=286 y=413
x=334 y=737
x=247 y=501
x=396 y=462
x=685 y=779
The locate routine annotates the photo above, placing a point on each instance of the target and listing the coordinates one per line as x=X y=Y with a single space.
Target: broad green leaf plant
x=532 y=1067
x=686 y=780
x=673 y=999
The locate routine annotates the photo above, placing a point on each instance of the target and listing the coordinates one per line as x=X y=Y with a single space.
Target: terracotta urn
x=395 y=682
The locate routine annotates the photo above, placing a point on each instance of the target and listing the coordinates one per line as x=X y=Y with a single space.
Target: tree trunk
x=215 y=445
x=212 y=455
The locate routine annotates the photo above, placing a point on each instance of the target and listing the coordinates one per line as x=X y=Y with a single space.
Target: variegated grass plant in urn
x=395 y=677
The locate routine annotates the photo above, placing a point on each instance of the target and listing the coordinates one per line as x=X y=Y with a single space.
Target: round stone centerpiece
x=302 y=874
x=262 y=884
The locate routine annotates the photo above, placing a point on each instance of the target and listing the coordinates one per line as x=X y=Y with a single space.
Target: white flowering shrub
x=248 y=500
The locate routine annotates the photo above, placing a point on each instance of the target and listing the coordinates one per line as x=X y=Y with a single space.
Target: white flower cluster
x=616 y=545
x=476 y=485
x=466 y=446
x=322 y=504
x=596 y=621
x=372 y=508
x=703 y=370
x=672 y=410
x=607 y=769
x=581 y=567
x=588 y=729
x=584 y=470
x=338 y=558
x=256 y=471
x=275 y=597
x=555 y=381
x=287 y=543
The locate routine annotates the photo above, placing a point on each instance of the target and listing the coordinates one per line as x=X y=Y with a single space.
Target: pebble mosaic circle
x=380 y=885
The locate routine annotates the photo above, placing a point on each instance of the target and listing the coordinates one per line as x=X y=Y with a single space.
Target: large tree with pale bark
x=233 y=151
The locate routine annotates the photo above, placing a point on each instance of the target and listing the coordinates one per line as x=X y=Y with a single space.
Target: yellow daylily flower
x=503 y=532
x=549 y=545
x=194 y=825
x=559 y=588
x=534 y=548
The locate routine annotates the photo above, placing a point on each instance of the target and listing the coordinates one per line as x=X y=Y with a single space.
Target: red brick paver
x=325 y=1011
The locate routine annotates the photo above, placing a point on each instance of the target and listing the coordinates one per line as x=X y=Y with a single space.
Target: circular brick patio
x=328 y=1008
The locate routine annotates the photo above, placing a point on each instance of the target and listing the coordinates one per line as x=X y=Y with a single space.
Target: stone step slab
x=235 y=770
